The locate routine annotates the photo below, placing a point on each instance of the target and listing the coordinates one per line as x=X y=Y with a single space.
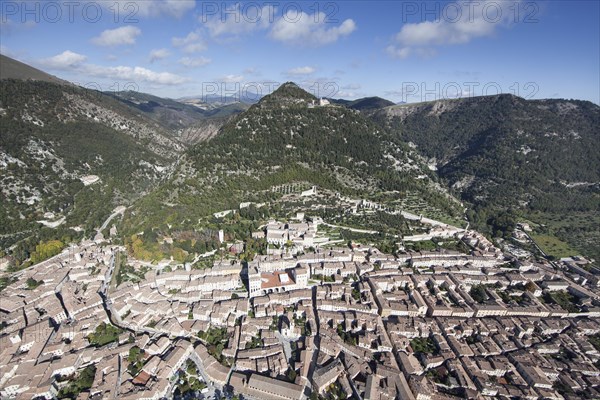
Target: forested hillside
x=53 y=137
x=285 y=139
x=535 y=158
x=69 y=156
x=365 y=104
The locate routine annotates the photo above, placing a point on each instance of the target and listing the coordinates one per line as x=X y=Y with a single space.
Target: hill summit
x=288 y=93
x=283 y=141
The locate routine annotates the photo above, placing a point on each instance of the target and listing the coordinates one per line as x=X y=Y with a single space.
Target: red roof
x=276 y=279
x=142 y=378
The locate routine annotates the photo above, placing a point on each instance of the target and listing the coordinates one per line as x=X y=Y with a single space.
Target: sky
x=405 y=51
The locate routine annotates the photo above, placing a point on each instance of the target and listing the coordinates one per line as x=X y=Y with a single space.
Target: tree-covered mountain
x=68 y=157
x=508 y=158
x=536 y=158
x=367 y=104
x=282 y=139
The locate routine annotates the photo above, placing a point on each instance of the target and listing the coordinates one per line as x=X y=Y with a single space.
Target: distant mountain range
x=178 y=115
x=219 y=100
x=177 y=160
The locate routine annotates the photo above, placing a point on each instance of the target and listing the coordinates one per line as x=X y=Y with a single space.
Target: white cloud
x=118 y=36
x=231 y=78
x=133 y=9
x=294 y=27
x=352 y=86
x=306 y=70
x=398 y=52
x=159 y=54
x=252 y=71
x=239 y=20
x=192 y=43
x=65 y=60
x=405 y=52
x=194 y=62
x=74 y=62
x=133 y=74
x=311 y=30
x=459 y=24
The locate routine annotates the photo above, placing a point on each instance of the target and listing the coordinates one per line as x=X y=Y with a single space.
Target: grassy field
x=554 y=246
x=577 y=232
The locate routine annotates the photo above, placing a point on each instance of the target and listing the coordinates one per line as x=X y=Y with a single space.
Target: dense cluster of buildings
x=46 y=315
x=413 y=325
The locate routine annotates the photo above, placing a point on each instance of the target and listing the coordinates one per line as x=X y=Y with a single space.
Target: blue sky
x=404 y=51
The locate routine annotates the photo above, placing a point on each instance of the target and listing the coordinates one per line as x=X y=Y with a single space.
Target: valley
x=296 y=247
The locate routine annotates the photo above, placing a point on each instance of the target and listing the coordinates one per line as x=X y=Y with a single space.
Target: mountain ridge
x=503 y=153
x=14 y=69
x=368 y=104
x=498 y=153
x=285 y=139
x=75 y=154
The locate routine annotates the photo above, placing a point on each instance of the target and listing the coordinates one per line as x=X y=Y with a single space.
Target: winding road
x=116 y=211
